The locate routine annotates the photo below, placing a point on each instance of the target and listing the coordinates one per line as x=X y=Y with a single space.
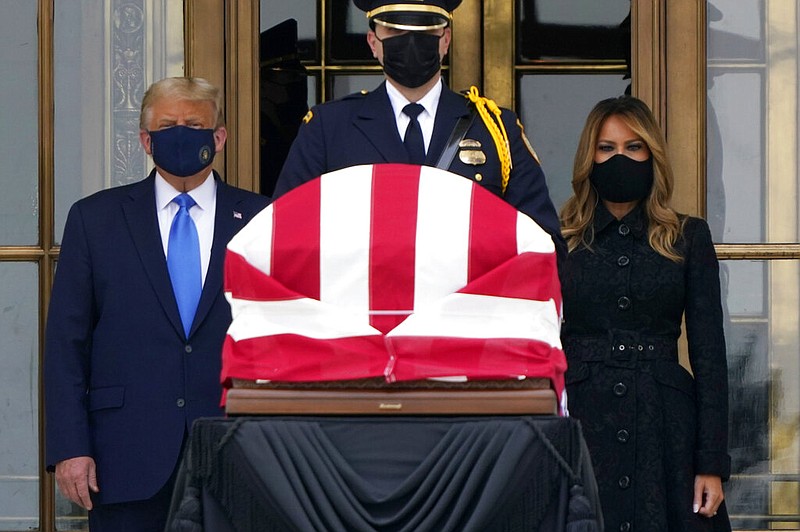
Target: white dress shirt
x=202 y=214
x=426 y=118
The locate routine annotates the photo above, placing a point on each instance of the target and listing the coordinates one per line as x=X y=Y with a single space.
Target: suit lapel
x=452 y=106
x=140 y=215
x=376 y=121
x=227 y=222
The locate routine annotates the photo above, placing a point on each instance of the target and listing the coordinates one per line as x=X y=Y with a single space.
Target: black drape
x=385 y=473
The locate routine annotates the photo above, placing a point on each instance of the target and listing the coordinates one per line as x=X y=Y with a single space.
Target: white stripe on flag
x=254 y=241
x=345 y=239
x=442 y=246
x=305 y=317
x=531 y=237
x=479 y=316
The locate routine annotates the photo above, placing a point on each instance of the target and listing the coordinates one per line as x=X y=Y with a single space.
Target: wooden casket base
x=376 y=397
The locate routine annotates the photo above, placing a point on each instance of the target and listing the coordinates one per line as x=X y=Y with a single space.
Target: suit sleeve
x=527 y=187
x=307 y=156
x=68 y=340
x=707 y=352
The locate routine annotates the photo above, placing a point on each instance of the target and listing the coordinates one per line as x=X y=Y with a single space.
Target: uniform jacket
x=122 y=382
x=360 y=129
x=650 y=425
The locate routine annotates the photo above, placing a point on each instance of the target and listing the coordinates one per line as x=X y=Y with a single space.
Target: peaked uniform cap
x=411 y=15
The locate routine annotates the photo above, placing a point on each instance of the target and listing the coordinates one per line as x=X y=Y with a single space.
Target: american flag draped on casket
x=391 y=270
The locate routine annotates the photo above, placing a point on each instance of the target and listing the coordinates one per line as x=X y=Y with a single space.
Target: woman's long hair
x=577 y=214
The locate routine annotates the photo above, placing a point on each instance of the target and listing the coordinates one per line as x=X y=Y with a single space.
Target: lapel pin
x=237 y=215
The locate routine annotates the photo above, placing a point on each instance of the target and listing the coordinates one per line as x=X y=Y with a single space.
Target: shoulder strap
x=456 y=136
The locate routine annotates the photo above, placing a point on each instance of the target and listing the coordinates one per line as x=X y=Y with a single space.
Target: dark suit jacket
x=360 y=129
x=122 y=382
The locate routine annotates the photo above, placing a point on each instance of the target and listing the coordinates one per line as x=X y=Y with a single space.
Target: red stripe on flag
x=295 y=239
x=393 y=221
x=244 y=281
x=492 y=232
x=527 y=276
x=478 y=358
x=295 y=358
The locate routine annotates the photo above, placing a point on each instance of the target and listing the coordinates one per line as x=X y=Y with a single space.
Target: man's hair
x=187 y=89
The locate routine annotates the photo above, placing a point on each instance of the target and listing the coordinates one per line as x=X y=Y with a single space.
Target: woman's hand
x=708 y=495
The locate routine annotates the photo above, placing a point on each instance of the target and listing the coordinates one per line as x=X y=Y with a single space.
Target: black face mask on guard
x=411 y=59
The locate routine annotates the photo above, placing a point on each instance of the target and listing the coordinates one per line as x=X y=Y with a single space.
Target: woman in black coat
x=657 y=433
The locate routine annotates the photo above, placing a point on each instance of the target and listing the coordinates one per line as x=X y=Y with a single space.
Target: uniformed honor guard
x=414 y=118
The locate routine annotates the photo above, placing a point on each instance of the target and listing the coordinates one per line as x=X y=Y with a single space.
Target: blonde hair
x=189 y=89
x=577 y=215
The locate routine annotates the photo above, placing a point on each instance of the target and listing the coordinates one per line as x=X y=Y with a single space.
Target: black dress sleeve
x=707 y=354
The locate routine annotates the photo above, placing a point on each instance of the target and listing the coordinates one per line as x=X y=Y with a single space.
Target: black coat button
x=623 y=436
x=624 y=482
x=625 y=526
x=624 y=230
x=180 y=403
x=620 y=389
x=188 y=349
x=623 y=260
x=623 y=303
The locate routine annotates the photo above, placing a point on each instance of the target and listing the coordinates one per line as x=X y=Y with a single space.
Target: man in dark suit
x=138 y=316
x=410 y=40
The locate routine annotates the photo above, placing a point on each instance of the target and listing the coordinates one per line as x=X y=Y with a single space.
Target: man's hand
x=75 y=477
x=708 y=494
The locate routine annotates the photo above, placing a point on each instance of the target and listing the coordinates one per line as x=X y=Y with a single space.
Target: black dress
x=650 y=426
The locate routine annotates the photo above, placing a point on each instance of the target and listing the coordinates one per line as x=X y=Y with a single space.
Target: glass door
x=567 y=56
x=752 y=206
x=21 y=267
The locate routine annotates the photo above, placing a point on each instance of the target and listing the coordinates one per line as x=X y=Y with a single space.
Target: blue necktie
x=183 y=261
x=415 y=146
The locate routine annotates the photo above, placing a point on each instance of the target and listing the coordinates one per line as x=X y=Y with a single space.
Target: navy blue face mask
x=182 y=151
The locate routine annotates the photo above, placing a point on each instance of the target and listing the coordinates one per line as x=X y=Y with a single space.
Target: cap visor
x=411 y=21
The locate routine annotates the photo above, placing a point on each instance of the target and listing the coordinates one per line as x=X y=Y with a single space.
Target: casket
x=393 y=289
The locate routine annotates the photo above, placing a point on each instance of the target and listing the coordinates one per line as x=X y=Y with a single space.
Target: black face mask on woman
x=620 y=179
x=411 y=59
